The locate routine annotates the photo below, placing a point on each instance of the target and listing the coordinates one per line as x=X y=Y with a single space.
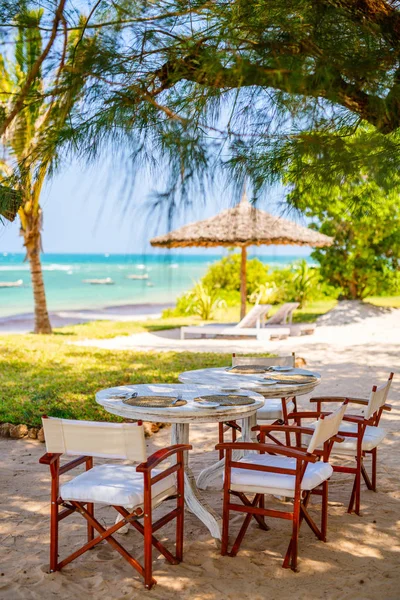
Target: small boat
x=8 y=284
x=144 y=276
x=106 y=281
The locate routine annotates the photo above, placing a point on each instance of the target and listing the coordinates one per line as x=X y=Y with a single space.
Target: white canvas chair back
x=279 y=361
x=254 y=316
x=89 y=438
x=378 y=398
x=283 y=314
x=326 y=427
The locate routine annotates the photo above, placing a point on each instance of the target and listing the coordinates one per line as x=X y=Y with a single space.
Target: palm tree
x=30 y=143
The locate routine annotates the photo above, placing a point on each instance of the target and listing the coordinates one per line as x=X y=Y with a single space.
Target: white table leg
x=209 y=476
x=193 y=499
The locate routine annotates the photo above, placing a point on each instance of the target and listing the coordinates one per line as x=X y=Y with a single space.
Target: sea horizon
x=157 y=278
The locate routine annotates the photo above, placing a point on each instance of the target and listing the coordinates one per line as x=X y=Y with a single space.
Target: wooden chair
x=141 y=488
x=282 y=471
x=362 y=437
x=274 y=409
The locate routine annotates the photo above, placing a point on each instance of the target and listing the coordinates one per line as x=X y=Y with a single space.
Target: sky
x=94 y=210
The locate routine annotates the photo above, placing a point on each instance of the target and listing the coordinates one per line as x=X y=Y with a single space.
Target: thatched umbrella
x=243 y=225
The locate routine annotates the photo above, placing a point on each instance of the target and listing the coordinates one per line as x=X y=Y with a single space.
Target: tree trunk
x=243 y=283
x=33 y=247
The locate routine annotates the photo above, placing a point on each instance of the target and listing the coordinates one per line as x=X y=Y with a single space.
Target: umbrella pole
x=243 y=285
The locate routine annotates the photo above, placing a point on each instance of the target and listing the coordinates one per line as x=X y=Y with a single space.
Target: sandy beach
x=359 y=561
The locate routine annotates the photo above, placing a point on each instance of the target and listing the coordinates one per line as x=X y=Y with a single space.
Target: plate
x=207 y=404
x=281 y=369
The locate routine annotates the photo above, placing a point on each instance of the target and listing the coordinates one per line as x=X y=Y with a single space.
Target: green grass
x=49 y=375
x=110 y=329
x=46 y=375
x=386 y=301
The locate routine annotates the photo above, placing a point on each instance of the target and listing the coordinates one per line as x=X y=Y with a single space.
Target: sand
x=360 y=560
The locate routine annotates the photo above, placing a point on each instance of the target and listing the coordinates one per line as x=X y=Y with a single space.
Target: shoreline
x=23 y=322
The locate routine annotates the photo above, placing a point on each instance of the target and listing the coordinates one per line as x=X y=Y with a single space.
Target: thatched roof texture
x=243 y=225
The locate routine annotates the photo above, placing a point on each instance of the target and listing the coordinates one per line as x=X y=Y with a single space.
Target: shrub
x=225 y=274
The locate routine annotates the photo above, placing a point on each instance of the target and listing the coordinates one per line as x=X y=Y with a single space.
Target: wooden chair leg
x=225 y=523
x=90 y=505
x=148 y=534
x=181 y=507
x=54 y=471
x=90 y=528
x=291 y=554
x=374 y=462
x=355 y=499
x=54 y=537
x=324 y=511
x=221 y=439
x=261 y=519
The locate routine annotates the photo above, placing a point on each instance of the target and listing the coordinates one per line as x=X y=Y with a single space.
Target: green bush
x=225 y=274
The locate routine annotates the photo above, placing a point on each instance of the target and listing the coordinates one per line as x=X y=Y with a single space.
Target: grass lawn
x=46 y=375
x=386 y=301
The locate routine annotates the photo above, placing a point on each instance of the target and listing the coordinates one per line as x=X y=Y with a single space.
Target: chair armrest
x=270 y=449
x=74 y=463
x=362 y=401
x=156 y=458
x=354 y=418
x=49 y=459
x=289 y=428
x=307 y=415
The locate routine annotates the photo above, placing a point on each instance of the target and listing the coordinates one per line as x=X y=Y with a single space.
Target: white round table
x=181 y=417
x=221 y=377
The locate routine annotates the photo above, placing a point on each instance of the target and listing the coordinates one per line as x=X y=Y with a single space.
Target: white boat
x=106 y=281
x=8 y=284
x=144 y=276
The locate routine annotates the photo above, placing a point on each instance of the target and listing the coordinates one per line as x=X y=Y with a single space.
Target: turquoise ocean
x=168 y=276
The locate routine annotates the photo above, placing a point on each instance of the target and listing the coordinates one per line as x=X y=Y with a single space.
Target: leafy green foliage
x=225 y=273
x=185 y=85
x=362 y=213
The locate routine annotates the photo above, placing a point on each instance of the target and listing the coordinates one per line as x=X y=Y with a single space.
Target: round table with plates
x=224 y=377
x=186 y=411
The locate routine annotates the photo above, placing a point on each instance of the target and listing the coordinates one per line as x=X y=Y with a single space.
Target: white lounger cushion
x=118 y=485
x=372 y=438
x=272 y=409
x=261 y=482
x=232 y=331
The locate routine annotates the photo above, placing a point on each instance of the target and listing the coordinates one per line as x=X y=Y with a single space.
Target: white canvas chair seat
x=116 y=485
x=372 y=438
x=272 y=409
x=261 y=482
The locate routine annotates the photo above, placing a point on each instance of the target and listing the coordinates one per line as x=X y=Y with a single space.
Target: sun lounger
x=252 y=325
x=284 y=316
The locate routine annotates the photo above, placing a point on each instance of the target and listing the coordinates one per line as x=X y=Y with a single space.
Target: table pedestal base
x=193 y=499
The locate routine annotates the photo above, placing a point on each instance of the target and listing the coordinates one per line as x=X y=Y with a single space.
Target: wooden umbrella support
x=243 y=284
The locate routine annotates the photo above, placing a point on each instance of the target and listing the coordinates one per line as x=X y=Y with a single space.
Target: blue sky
x=92 y=210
